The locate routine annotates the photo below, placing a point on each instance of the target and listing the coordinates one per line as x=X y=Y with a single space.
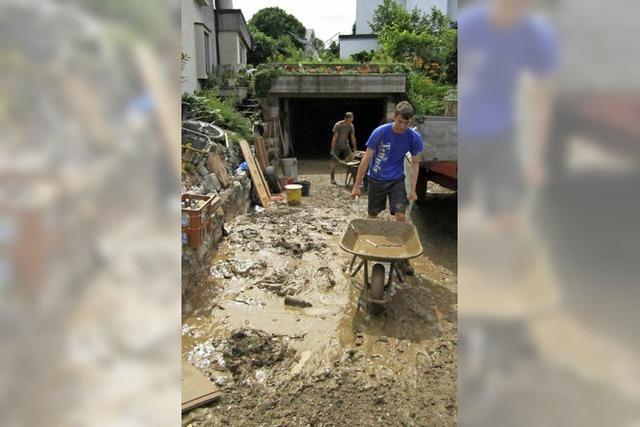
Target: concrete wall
x=440 y=136
x=350 y=46
x=231 y=46
x=331 y=85
x=228 y=47
x=192 y=13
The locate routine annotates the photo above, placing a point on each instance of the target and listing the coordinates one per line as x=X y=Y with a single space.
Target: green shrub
x=363 y=56
x=426 y=95
x=209 y=107
x=263 y=78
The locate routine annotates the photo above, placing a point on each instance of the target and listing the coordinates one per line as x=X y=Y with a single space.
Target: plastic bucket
x=306 y=187
x=290 y=167
x=294 y=194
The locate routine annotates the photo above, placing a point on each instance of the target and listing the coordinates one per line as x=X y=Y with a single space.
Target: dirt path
x=331 y=363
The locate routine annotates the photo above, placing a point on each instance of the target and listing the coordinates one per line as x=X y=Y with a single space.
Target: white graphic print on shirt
x=382 y=155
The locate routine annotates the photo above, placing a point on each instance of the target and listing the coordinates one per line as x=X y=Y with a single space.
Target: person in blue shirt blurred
x=500 y=42
x=386 y=149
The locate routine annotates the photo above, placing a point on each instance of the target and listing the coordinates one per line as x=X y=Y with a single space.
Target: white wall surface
x=349 y=47
x=192 y=13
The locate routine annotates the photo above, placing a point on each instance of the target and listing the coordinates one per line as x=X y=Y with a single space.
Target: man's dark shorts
x=342 y=153
x=379 y=191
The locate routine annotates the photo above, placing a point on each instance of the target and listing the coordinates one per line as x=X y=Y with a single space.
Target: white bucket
x=290 y=167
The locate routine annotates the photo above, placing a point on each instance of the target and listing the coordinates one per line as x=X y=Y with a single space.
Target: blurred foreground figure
x=545 y=318
x=89 y=273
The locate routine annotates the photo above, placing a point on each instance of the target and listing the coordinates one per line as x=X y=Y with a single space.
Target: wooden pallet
x=260 y=184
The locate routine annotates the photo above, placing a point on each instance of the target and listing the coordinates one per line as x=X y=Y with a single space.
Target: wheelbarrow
x=351 y=165
x=378 y=241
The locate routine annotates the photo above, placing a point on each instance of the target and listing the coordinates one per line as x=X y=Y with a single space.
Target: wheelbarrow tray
x=382 y=241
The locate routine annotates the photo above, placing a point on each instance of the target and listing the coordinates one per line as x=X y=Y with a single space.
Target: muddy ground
x=332 y=363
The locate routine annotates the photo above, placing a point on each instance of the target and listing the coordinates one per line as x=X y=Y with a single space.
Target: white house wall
x=349 y=47
x=364 y=14
x=230 y=49
x=426 y=5
x=193 y=13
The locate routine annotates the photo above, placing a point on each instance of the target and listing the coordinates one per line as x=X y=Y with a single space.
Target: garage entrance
x=311 y=121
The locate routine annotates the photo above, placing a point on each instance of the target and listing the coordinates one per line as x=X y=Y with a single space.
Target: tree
x=334 y=48
x=276 y=23
x=427 y=41
x=263 y=47
x=391 y=14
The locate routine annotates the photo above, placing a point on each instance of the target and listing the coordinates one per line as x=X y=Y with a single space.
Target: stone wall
x=234 y=201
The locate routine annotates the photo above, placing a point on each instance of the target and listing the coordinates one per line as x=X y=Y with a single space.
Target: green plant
x=426 y=95
x=263 y=47
x=263 y=78
x=207 y=106
x=276 y=23
x=426 y=41
x=363 y=56
x=184 y=58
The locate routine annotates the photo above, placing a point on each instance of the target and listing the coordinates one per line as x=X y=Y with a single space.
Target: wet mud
x=327 y=362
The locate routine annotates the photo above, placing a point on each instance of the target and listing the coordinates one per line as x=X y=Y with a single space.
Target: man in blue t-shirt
x=500 y=42
x=386 y=150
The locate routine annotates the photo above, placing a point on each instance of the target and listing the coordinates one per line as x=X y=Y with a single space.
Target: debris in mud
x=297 y=302
x=248 y=348
x=326 y=274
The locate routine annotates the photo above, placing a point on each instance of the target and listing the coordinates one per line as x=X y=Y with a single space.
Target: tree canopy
x=276 y=23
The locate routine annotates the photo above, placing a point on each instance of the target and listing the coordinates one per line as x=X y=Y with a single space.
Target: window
x=243 y=54
x=207 y=54
x=203 y=51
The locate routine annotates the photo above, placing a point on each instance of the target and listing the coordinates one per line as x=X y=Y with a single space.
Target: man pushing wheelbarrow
x=386 y=150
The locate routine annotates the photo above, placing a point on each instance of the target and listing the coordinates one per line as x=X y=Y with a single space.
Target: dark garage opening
x=311 y=122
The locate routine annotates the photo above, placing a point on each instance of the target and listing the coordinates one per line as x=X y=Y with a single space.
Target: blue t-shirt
x=492 y=60
x=389 y=150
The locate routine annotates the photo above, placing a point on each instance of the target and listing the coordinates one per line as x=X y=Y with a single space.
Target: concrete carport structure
x=306 y=106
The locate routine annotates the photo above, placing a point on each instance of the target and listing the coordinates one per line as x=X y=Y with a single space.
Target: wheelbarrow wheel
x=376 y=288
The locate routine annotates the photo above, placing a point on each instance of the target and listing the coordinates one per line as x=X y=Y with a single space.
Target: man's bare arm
x=364 y=165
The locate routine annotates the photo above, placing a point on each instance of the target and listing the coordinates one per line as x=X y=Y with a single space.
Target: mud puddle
x=330 y=363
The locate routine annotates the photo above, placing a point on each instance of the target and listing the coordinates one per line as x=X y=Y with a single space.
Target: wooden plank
x=196 y=388
x=263 y=179
x=261 y=153
x=256 y=175
x=264 y=182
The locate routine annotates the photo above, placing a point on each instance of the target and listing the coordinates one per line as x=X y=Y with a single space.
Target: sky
x=325 y=17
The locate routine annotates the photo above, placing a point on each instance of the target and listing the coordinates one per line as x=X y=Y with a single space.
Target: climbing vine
x=263 y=79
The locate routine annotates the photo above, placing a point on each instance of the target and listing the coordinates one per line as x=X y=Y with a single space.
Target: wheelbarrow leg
x=353 y=272
x=399 y=272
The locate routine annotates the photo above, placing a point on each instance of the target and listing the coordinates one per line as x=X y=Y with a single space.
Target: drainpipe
x=217 y=29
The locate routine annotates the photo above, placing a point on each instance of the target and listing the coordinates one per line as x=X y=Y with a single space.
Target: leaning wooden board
x=261 y=153
x=256 y=174
x=196 y=388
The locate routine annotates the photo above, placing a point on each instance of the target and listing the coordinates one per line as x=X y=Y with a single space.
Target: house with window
x=364 y=39
x=215 y=38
